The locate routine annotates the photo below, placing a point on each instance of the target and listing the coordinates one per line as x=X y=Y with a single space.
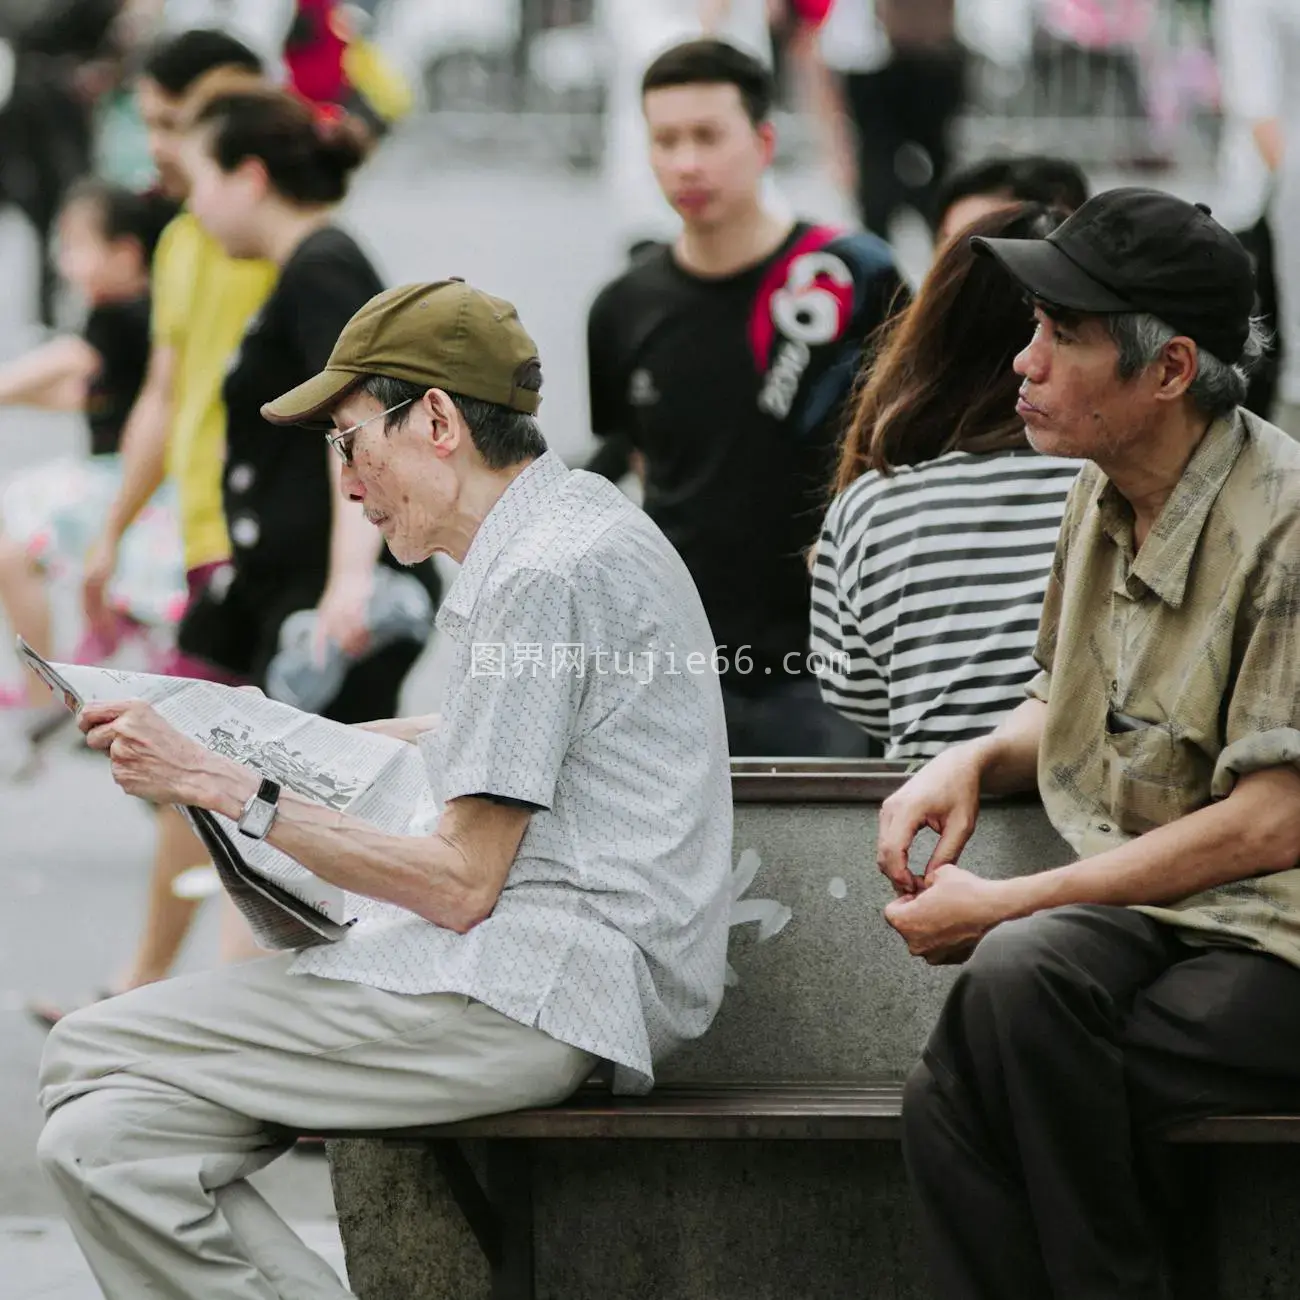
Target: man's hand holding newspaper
x=164 y=734
x=151 y=759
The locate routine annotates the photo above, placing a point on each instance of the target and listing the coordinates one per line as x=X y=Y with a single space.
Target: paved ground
x=39 y=1258
x=72 y=850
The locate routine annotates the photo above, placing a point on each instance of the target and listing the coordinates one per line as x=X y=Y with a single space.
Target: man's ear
x=445 y=421
x=1177 y=368
x=254 y=170
x=767 y=134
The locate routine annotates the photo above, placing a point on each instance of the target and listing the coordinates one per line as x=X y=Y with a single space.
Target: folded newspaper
x=374 y=778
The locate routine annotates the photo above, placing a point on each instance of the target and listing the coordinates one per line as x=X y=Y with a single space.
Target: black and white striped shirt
x=927 y=587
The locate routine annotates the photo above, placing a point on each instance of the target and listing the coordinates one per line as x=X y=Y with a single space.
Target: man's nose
x=350 y=484
x=1031 y=362
x=684 y=159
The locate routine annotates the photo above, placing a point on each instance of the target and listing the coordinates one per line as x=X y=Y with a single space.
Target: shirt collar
x=1165 y=560
x=526 y=496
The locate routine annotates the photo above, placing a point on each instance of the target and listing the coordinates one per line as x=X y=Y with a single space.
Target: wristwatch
x=259 y=812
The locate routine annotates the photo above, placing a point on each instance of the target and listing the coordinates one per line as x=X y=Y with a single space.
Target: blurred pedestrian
x=267 y=172
x=262 y=26
x=724 y=359
x=106 y=239
x=1261 y=53
x=202 y=302
x=929 y=575
x=331 y=62
x=1252 y=47
x=1004 y=181
x=45 y=115
x=638 y=31
x=902 y=74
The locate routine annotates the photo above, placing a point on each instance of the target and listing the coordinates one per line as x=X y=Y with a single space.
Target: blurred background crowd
x=510 y=83
x=504 y=141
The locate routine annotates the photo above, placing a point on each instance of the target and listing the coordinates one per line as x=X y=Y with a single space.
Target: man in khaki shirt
x=1158 y=977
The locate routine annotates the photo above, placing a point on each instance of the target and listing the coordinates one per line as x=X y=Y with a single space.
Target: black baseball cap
x=1139 y=250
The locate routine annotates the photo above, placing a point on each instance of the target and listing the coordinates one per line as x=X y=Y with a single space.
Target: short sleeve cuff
x=1039 y=688
x=1277 y=748
x=511 y=785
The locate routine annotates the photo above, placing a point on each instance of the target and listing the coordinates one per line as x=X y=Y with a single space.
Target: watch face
x=257 y=820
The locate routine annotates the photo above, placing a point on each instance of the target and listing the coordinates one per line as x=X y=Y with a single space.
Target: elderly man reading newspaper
x=571 y=904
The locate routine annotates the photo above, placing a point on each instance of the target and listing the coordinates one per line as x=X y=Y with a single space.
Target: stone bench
x=639 y=1197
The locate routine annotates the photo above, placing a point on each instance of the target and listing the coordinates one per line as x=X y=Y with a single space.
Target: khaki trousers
x=159 y=1103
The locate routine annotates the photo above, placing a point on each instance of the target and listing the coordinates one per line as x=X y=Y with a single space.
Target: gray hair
x=1218 y=389
x=501 y=435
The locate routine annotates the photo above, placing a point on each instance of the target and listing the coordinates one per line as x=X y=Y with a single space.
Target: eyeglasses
x=342 y=440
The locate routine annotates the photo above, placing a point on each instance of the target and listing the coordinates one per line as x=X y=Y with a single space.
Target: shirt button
x=245 y=532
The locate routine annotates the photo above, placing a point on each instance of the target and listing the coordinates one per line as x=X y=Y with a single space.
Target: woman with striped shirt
x=929 y=573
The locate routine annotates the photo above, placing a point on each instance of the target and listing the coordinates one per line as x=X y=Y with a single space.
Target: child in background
x=50 y=514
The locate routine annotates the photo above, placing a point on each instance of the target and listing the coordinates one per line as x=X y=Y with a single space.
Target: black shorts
x=236 y=628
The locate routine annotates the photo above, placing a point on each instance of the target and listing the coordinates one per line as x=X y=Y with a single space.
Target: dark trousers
x=1069 y=1041
x=906 y=106
x=791 y=721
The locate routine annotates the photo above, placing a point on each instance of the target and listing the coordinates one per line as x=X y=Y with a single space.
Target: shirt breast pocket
x=1152 y=777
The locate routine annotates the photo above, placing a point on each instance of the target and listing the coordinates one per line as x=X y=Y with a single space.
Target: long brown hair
x=942 y=378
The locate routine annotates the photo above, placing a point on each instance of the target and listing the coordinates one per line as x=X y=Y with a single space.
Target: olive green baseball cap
x=445 y=335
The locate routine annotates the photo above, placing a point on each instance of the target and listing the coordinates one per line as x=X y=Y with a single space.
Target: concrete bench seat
x=498 y=1206
x=766 y=1164
x=696 y=1112
x=850 y=1110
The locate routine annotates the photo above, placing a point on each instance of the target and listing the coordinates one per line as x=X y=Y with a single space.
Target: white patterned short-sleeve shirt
x=582 y=686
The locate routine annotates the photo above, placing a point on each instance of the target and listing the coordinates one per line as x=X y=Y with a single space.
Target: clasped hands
x=943 y=913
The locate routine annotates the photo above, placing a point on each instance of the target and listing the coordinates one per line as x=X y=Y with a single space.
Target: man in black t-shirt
x=724 y=360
